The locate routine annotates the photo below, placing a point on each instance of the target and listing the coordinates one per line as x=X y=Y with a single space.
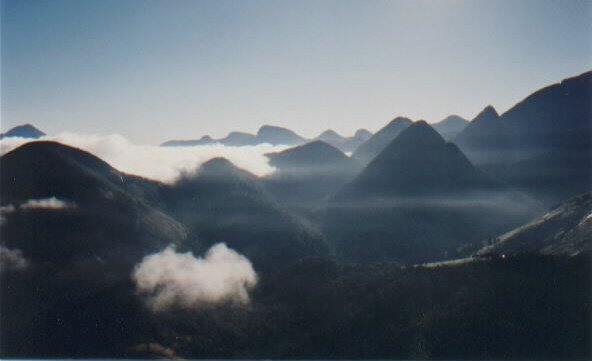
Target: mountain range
x=277 y=136
x=419 y=200
x=342 y=246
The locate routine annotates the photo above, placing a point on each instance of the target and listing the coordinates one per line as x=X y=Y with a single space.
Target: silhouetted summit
x=278 y=135
x=345 y=144
x=420 y=199
x=309 y=173
x=313 y=156
x=419 y=161
x=23 y=131
x=450 y=126
x=376 y=143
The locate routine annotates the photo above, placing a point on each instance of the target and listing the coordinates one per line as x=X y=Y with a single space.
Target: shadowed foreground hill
x=522 y=308
x=106 y=212
x=80 y=227
x=223 y=203
x=420 y=200
x=565 y=230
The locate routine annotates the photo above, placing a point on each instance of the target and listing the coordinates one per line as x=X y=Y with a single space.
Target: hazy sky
x=155 y=70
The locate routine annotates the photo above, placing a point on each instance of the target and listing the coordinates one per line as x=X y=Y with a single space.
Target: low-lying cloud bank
x=180 y=280
x=12 y=260
x=159 y=163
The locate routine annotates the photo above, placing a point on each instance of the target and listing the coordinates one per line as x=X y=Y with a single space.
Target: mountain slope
x=565 y=230
x=307 y=174
x=223 y=203
x=419 y=200
x=110 y=211
x=543 y=144
x=377 y=142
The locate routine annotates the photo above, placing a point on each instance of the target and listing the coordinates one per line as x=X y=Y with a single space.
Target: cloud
x=46 y=203
x=180 y=280
x=160 y=163
x=12 y=260
x=4 y=210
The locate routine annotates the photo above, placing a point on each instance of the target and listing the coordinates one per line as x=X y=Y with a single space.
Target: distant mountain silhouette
x=239 y=139
x=420 y=199
x=308 y=173
x=267 y=134
x=377 y=142
x=205 y=140
x=450 y=126
x=345 y=144
x=485 y=139
x=223 y=203
x=23 y=131
x=539 y=142
x=565 y=230
x=315 y=156
x=330 y=135
x=278 y=136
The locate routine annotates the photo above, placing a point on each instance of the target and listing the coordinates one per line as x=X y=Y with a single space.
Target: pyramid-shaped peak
x=24 y=131
x=487 y=112
x=420 y=132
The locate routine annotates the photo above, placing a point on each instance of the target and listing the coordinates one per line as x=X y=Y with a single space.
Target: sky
x=159 y=70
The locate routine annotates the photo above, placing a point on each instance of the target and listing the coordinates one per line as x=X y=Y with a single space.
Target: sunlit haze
x=159 y=70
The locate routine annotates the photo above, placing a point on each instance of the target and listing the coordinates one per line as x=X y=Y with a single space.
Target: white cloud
x=5 y=210
x=12 y=260
x=160 y=163
x=180 y=280
x=46 y=203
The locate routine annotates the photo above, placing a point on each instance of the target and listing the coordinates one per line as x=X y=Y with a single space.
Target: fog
x=160 y=163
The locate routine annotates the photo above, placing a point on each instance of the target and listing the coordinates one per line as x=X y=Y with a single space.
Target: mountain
x=312 y=157
x=112 y=214
x=376 y=143
x=205 y=140
x=420 y=199
x=81 y=226
x=308 y=173
x=239 y=139
x=345 y=144
x=330 y=135
x=23 y=131
x=485 y=139
x=565 y=230
x=223 y=203
x=540 y=142
x=450 y=126
x=278 y=136
x=266 y=134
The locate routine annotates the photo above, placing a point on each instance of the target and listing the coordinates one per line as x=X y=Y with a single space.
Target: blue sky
x=156 y=70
